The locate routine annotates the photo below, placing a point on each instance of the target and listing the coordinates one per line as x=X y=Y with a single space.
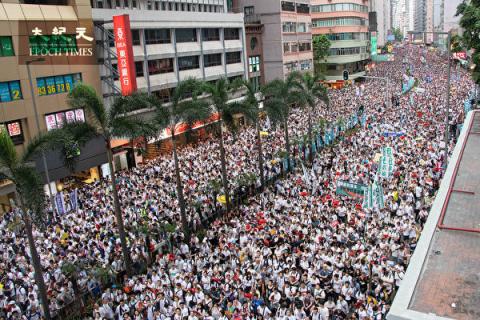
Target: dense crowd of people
x=295 y=251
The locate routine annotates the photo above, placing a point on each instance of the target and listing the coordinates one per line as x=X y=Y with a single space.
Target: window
x=303 y=8
x=340 y=7
x=187 y=63
x=6 y=47
x=348 y=36
x=186 y=35
x=289 y=27
x=58 y=119
x=157 y=36
x=288 y=6
x=135 y=37
x=248 y=11
x=305 y=64
x=234 y=57
x=292 y=66
x=301 y=27
x=160 y=66
x=347 y=51
x=164 y=95
x=14 y=131
x=254 y=64
x=253 y=43
x=210 y=34
x=231 y=34
x=255 y=81
x=139 y=68
x=210 y=60
x=10 y=91
x=343 y=21
x=304 y=46
x=57 y=84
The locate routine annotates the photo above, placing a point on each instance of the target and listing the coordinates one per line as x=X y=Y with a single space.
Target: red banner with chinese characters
x=126 y=63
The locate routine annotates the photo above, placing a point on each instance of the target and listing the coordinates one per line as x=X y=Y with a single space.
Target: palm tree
x=30 y=198
x=219 y=95
x=250 y=107
x=311 y=91
x=116 y=122
x=280 y=96
x=185 y=109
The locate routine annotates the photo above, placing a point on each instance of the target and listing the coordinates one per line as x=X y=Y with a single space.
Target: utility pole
x=44 y=159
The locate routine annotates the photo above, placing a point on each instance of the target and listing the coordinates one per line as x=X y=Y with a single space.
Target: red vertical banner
x=126 y=63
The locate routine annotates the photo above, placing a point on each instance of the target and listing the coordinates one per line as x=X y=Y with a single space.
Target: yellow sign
x=222 y=199
x=264 y=133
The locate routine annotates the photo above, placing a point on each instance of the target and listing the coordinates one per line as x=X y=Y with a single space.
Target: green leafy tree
x=30 y=198
x=219 y=93
x=280 y=96
x=469 y=21
x=116 y=122
x=250 y=107
x=398 y=34
x=456 y=43
x=321 y=48
x=186 y=108
x=312 y=91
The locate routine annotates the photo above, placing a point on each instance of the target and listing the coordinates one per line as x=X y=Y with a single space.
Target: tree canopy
x=470 y=22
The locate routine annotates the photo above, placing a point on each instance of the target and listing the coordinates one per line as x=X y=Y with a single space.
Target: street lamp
x=44 y=159
x=447 y=111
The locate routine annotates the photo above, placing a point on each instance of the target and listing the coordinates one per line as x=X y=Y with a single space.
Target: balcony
x=252 y=19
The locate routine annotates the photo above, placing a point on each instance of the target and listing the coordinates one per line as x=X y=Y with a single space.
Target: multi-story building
x=287 y=37
x=172 y=41
x=21 y=23
x=424 y=18
x=254 y=35
x=383 y=10
x=346 y=25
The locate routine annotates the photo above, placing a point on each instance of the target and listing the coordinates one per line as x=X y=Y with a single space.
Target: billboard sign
x=460 y=55
x=391 y=37
x=373 y=42
x=126 y=63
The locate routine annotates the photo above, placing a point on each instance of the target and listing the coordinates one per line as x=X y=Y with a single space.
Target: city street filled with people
x=296 y=250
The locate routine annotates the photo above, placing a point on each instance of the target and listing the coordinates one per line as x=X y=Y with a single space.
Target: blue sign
x=391 y=37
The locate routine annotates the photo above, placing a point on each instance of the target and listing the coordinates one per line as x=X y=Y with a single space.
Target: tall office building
x=286 y=39
x=172 y=41
x=424 y=21
x=383 y=10
x=346 y=25
x=45 y=29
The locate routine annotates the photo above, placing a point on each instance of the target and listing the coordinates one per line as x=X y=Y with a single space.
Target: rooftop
x=443 y=278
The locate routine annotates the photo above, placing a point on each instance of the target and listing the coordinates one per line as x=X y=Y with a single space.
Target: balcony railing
x=252 y=19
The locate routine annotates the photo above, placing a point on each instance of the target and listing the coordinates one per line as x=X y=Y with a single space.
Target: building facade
x=172 y=41
x=287 y=35
x=21 y=24
x=383 y=10
x=424 y=18
x=346 y=25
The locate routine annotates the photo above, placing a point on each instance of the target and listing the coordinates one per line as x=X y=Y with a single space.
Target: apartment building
x=31 y=30
x=346 y=25
x=287 y=36
x=383 y=10
x=172 y=41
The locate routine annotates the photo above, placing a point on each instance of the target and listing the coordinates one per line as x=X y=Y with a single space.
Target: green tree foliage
x=470 y=22
x=398 y=34
x=321 y=47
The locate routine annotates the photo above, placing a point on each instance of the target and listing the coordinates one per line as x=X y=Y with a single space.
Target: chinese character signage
x=126 y=63
x=373 y=42
x=14 y=130
x=349 y=189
